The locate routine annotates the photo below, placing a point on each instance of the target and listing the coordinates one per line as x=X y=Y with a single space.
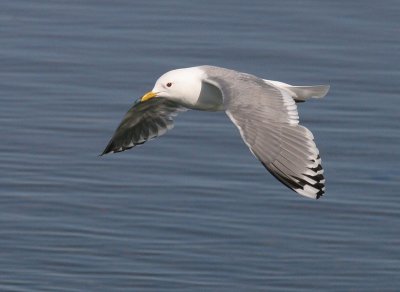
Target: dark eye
x=169 y=84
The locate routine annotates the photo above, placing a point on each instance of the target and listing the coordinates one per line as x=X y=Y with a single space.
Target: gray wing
x=267 y=120
x=144 y=121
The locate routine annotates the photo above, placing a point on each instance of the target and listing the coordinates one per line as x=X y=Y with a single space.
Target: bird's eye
x=169 y=84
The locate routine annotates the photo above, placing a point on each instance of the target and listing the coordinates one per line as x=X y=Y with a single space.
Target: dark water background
x=193 y=210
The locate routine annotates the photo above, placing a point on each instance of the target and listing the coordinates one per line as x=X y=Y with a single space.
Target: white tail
x=301 y=93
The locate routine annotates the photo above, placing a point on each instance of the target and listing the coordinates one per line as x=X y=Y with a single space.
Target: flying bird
x=264 y=111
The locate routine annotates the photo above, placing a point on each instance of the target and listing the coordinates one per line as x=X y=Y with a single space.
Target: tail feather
x=301 y=93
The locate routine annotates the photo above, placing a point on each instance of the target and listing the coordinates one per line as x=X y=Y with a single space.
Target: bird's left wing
x=144 y=121
x=268 y=122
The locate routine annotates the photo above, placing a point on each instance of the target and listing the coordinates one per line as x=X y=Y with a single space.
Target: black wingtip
x=109 y=149
x=320 y=194
x=112 y=148
x=106 y=151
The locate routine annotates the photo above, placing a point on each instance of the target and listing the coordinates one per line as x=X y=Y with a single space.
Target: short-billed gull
x=264 y=111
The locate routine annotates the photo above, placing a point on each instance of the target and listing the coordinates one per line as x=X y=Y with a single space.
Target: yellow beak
x=148 y=95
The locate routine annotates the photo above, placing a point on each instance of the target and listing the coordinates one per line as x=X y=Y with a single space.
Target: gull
x=264 y=111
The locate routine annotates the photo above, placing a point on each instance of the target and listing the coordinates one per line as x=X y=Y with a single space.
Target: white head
x=182 y=86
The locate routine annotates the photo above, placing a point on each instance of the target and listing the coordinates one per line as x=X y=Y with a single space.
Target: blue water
x=193 y=210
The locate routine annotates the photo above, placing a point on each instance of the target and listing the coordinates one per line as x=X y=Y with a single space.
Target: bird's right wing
x=267 y=120
x=144 y=121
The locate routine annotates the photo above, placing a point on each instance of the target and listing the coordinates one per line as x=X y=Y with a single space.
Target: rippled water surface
x=193 y=210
